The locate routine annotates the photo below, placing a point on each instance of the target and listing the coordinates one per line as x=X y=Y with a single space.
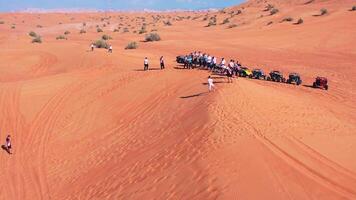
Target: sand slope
x=93 y=125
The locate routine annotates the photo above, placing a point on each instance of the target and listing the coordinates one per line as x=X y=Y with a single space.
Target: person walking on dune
x=161 y=61
x=92 y=47
x=110 y=49
x=145 y=63
x=8 y=144
x=211 y=85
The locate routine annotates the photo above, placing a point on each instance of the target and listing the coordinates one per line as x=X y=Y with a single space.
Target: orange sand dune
x=93 y=125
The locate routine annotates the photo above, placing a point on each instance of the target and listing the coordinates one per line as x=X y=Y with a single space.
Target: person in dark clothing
x=161 y=61
x=8 y=144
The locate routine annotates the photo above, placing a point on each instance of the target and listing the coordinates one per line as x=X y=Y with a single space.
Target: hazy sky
x=14 y=5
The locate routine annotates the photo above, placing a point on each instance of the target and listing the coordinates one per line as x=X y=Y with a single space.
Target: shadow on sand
x=150 y=69
x=5 y=149
x=194 y=95
x=308 y=86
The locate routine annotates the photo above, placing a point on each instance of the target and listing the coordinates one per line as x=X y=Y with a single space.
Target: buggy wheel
x=268 y=79
x=288 y=81
x=326 y=87
x=299 y=82
x=314 y=85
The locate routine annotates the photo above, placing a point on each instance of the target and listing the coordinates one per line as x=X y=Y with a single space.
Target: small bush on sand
x=66 y=33
x=287 y=19
x=37 y=39
x=2 y=22
x=32 y=34
x=99 y=30
x=300 y=21
x=232 y=26
x=227 y=20
x=274 y=11
x=61 y=37
x=268 y=7
x=101 y=44
x=323 y=11
x=116 y=30
x=353 y=8
x=152 y=37
x=132 y=45
x=84 y=23
x=269 y=23
x=167 y=23
x=154 y=30
x=143 y=30
x=106 y=37
x=82 y=31
x=13 y=27
x=39 y=26
x=126 y=30
x=211 y=23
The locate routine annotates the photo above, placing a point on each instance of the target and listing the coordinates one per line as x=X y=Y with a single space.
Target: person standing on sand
x=8 y=144
x=145 y=63
x=92 y=47
x=211 y=85
x=110 y=49
x=161 y=61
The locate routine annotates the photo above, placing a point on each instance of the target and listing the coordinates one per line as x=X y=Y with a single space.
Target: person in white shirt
x=92 y=47
x=110 y=49
x=209 y=60
x=211 y=85
x=214 y=64
x=145 y=62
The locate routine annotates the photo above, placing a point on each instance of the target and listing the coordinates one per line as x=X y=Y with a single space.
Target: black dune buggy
x=276 y=76
x=180 y=59
x=258 y=74
x=294 y=78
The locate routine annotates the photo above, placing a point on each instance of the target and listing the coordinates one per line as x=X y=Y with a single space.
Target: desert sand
x=93 y=125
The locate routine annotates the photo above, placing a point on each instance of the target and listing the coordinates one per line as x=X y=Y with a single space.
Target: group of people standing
x=146 y=63
x=207 y=61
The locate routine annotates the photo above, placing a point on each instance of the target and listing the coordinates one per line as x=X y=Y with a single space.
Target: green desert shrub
x=101 y=44
x=323 y=11
x=287 y=19
x=39 y=26
x=269 y=23
x=82 y=31
x=232 y=26
x=167 y=23
x=99 y=30
x=13 y=27
x=143 y=30
x=37 y=39
x=66 y=33
x=106 y=37
x=32 y=34
x=353 y=8
x=61 y=37
x=227 y=20
x=116 y=30
x=274 y=11
x=132 y=45
x=126 y=30
x=151 y=37
x=300 y=21
x=154 y=30
x=2 y=22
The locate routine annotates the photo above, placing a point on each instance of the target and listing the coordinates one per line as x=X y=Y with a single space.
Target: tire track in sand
x=299 y=156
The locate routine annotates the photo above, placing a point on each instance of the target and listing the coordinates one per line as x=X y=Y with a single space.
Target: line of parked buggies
x=276 y=76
